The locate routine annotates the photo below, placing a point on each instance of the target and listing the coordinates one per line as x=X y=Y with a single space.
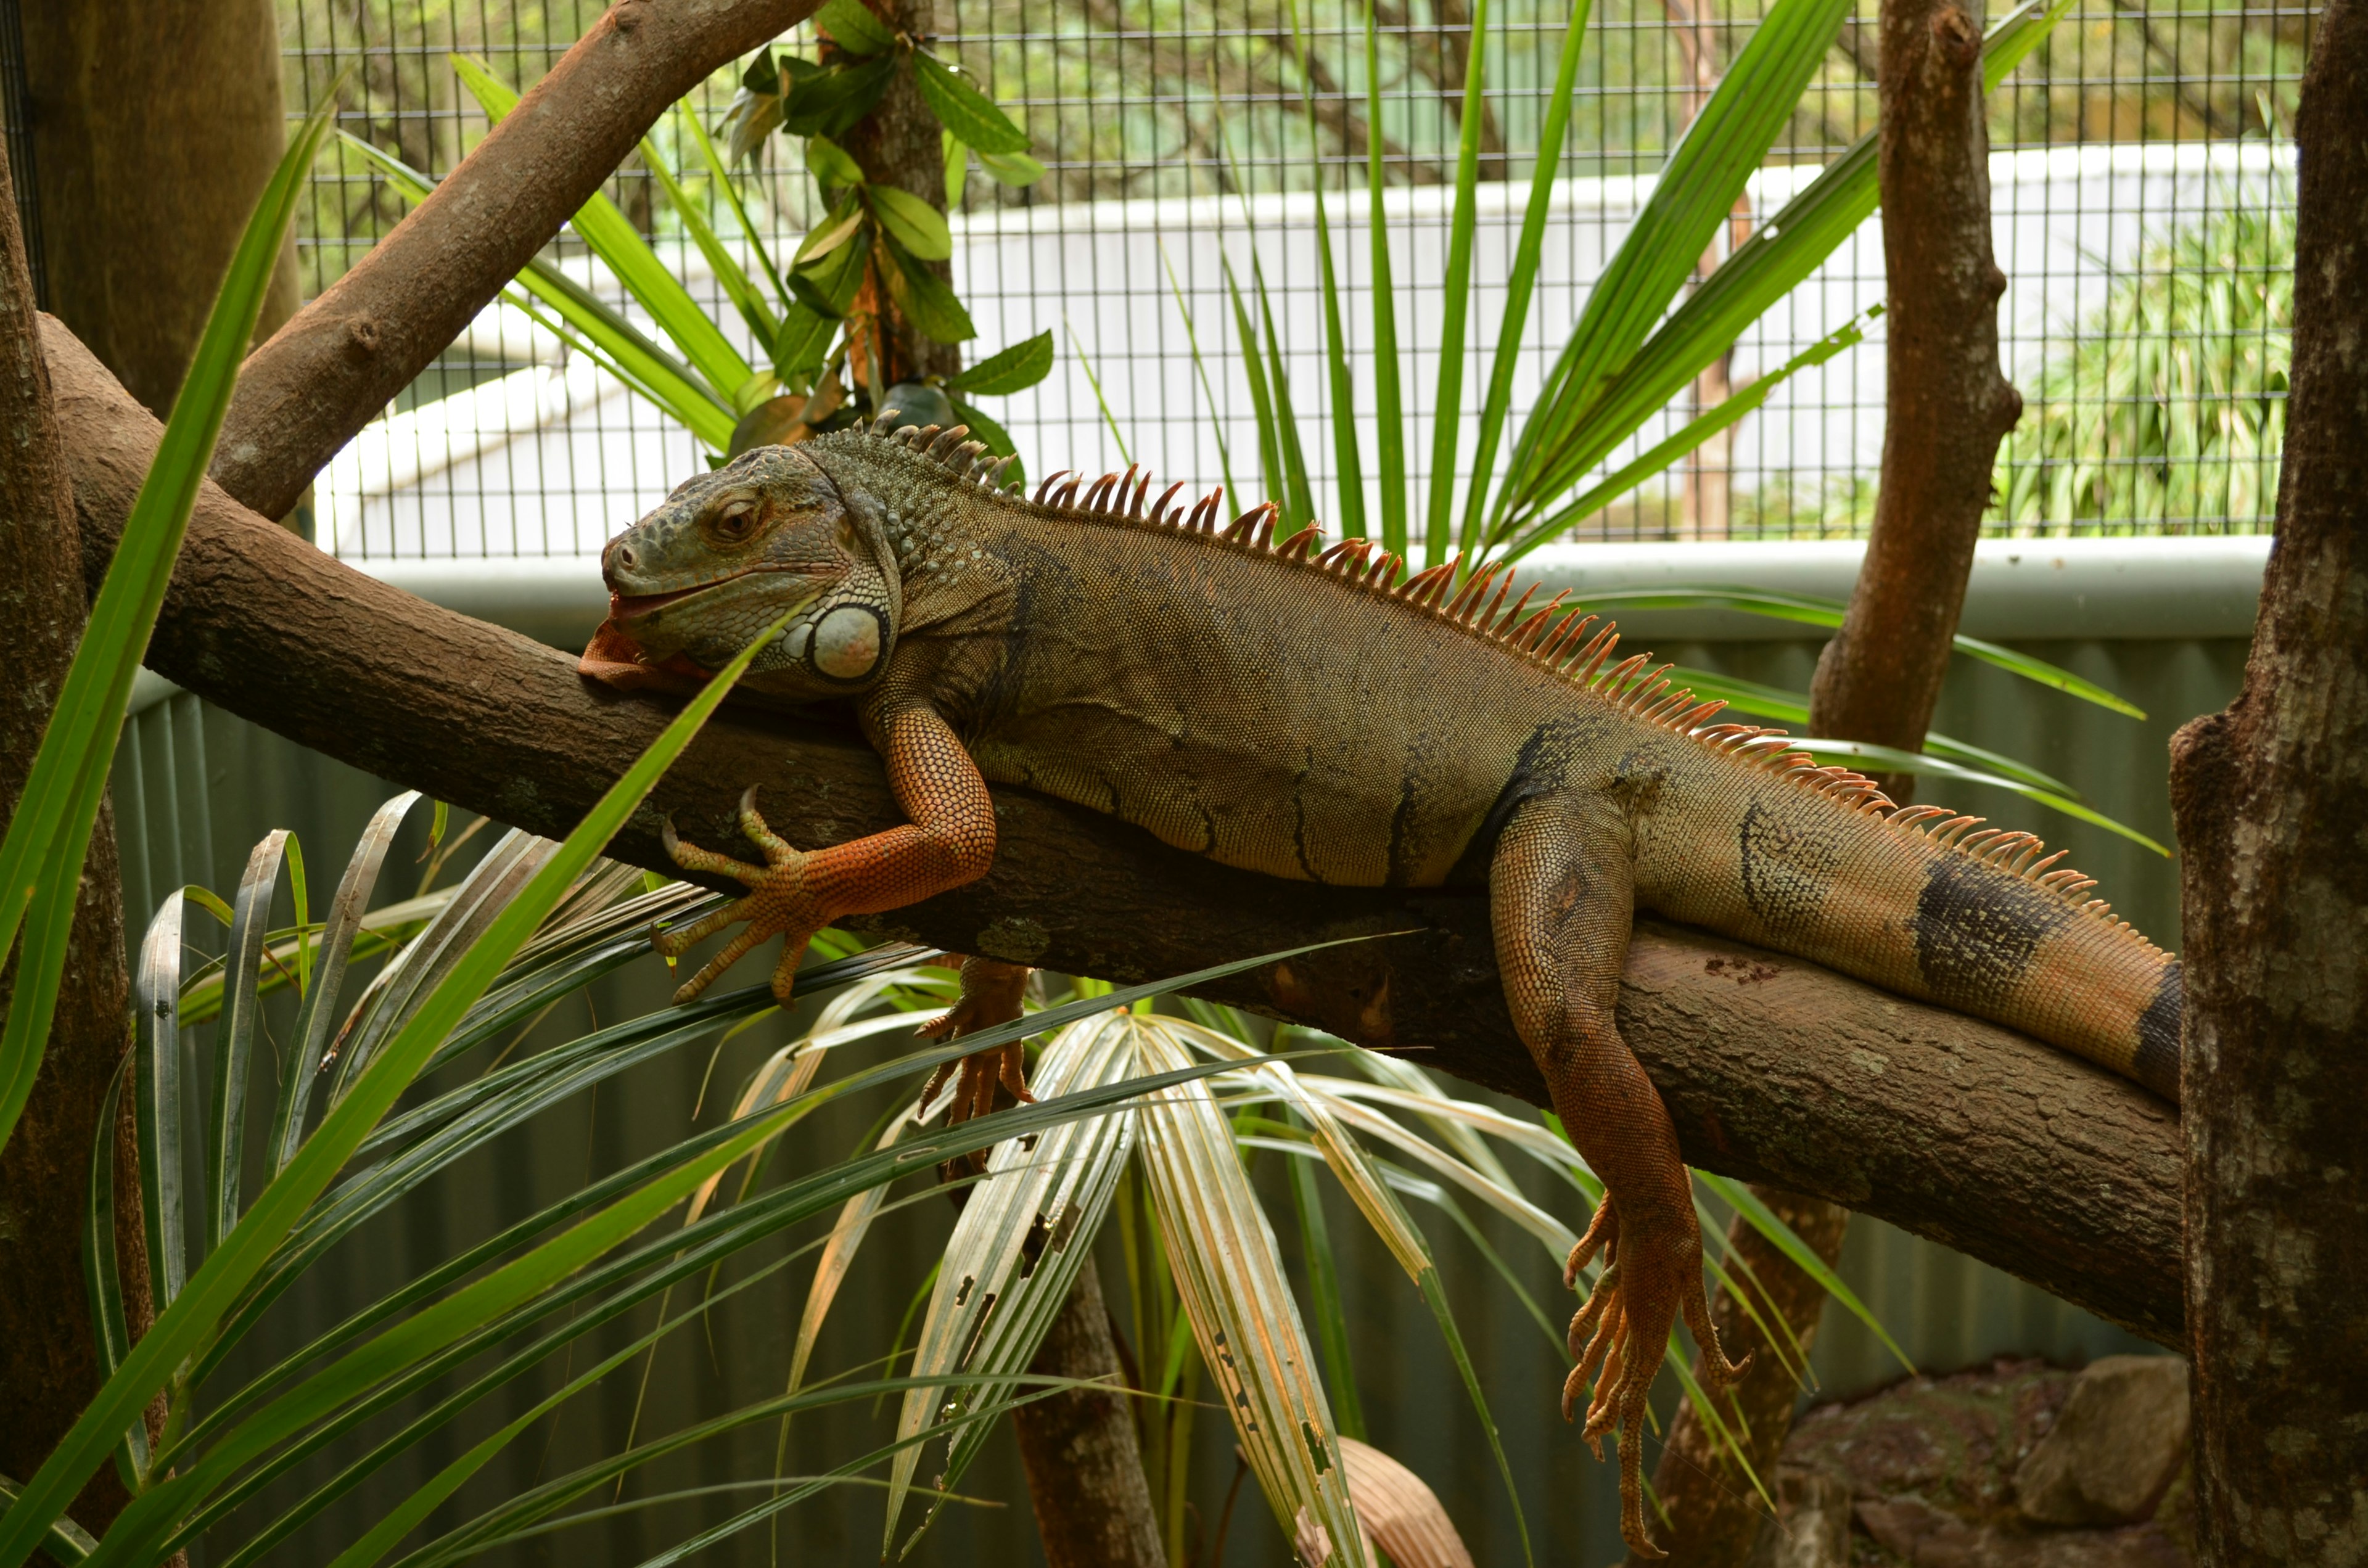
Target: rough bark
x=49 y=1369
x=154 y=128
x=344 y=357
x=1085 y=1467
x=1773 y=1069
x=899 y=143
x=1948 y=405
x=2270 y=797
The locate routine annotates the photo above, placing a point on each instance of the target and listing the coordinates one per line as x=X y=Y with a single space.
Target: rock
x=1812 y=1527
x=2114 y=1447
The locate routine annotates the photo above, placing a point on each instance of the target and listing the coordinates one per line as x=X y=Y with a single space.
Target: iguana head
x=731 y=551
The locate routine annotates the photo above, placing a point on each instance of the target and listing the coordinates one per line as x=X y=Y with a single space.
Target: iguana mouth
x=624 y=606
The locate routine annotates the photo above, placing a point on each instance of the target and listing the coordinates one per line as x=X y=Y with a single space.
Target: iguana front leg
x=950 y=841
x=1560 y=904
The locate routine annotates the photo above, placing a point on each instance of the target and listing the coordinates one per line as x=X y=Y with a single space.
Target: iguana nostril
x=625 y=556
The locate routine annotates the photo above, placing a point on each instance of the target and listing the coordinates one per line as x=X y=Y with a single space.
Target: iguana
x=1304 y=712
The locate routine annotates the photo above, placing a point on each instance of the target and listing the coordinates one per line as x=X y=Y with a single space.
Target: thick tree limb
x=344 y=357
x=1774 y=1069
x=48 y=1360
x=2270 y=797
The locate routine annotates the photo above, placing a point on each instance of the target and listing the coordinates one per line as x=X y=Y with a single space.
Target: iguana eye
x=734 y=522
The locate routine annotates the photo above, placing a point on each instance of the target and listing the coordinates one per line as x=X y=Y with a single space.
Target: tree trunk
x=48 y=1367
x=1947 y=405
x=2270 y=797
x=1085 y=1466
x=1878 y=680
x=154 y=128
x=899 y=143
x=1764 y=1060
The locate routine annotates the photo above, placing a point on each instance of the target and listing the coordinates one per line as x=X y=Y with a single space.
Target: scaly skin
x=1312 y=718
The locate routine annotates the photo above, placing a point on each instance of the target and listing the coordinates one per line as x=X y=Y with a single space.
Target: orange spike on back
x=1573 y=627
x=1051 y=479
x=1297 y=546
x=1206 y=507
x=1159 y=509
x=1419 y=587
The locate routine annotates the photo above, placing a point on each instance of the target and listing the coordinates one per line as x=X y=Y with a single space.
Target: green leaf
x=827 y=101
x=1016 y=368
x=1348 y=460
x=753 y=307
x=957 y=161
x=43 y=853
x=1704 y=174
x=1270 y=476
x=1522 y=285
x=1085 y=363
x=1015 y=169
x=234 y=1036
x=964 y=110
x=926 y=300
x=1768 y=265
x=1200 y=372
x=618 y=243
x=1810 y=610
x=837 y=227
x=853 y=27
x=183 y=1327
x=1724 y=416
x=827 y=287
x=1447 y=397
x=916 y=226
x=1389 y=412
x=830 y=163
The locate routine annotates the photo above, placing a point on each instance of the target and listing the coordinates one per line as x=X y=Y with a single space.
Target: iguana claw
x=1617 y=1338
x=991 y=995
x=779 y=903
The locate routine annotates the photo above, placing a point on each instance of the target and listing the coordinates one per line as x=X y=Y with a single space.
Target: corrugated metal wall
x=194 y=788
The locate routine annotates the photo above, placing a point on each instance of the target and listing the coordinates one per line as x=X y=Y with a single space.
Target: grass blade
x=1765 y=267
x=102 y=1280
x=318 y=1014
x=753 y=309
x=1522 y=286
x=1389 y=409
x=156 y=1100
x=181 y=1328
x=1447 y=397
x=1261 y=401
x=1347 y=461
x=1810 y=611
x=1331 y=1314
x=1242 y=1318
x=1301 y=502
x=616 y=242
x=1085 y=363
x=1208 y=393
x=1024 y=1234
x=1696 y=192
x=48 y=835
x=234 y=1036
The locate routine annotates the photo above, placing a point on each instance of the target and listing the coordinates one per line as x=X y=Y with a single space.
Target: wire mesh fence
x=2141 y=186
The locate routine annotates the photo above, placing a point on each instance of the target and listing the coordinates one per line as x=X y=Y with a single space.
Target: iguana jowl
x=1309 y=716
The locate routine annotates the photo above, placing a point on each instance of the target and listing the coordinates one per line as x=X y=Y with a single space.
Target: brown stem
x=344 y=357
x=1878 y=680
x=49 y=1364
x=2269 y=797
x=1765 y=1062
x=1949 y=406
x=1085 y=1467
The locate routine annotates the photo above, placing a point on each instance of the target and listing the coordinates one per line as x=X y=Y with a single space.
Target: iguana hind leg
x=950 y=841
x=1560 y=902
x=991 y=991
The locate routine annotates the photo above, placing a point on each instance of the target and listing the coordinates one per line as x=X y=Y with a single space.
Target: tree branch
x=343 y=358
x=1773 y=1069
